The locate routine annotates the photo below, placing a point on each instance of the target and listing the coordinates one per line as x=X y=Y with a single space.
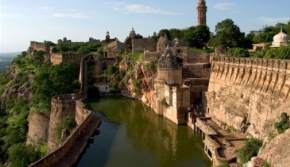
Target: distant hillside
x=6 y=58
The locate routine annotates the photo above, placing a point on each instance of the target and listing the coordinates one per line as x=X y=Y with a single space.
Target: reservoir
x=132 y=135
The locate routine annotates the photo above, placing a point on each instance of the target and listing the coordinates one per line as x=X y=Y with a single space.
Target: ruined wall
x=151 y=56
x=37 y=128
x=61 y=107
x=174 y=76
x=139 y=45
x=59 y=58
x=248 y=94
x=38 y=46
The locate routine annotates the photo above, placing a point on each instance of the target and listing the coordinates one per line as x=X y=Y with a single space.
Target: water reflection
x=132 y=135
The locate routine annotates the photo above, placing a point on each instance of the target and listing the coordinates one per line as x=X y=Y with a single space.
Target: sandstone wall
x=139 y=45
x=37 y=128
x=38 y=46
x=58 y=58
x=248 y=94
x=61 y=107
x=69 y=152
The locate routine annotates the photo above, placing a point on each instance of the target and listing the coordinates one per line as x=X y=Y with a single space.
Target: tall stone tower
x=201 y=12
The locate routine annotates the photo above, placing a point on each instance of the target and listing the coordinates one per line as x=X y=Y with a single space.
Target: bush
x=237 y=52
x=249 y=150
x=67 y=123
x=283 y=124
x=21 y=155
x=266 y=164
x=273 y=53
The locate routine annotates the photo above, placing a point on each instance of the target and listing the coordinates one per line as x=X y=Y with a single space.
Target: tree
x=164 y=32
x=21 y=155
x=228 y=35
x=197 y=36
x=176 y=33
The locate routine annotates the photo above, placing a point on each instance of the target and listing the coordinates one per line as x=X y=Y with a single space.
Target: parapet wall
x=59 y=58
x=248 y=94
x=68 y=153
x=264 y=76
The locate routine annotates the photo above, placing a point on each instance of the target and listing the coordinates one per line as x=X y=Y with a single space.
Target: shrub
x=21 y=155
x=224 y=165
x=266 y=164
x=237 y=52
x=283 y=124
x=250 y=149
x=67 y=123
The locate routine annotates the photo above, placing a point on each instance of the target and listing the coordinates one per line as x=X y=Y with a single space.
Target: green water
x=132 y=135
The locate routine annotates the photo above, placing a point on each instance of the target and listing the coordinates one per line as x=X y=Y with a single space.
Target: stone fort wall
x=67 y=154
x=248 y=94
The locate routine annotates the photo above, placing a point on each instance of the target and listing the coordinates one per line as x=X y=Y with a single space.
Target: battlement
x=265 y=76
x=267 y=63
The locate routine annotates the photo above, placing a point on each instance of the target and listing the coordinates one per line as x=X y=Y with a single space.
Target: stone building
x=114 y=48
x=201 y=12
x=173 y=98
x=162 y=43
x=136 y=43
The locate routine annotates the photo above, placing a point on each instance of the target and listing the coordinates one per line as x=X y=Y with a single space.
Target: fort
x=67 y=154
x=227 y=100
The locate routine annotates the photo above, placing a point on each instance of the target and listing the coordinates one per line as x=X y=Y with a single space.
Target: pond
x=132 y=135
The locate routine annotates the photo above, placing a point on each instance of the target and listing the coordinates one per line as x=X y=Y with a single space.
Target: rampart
x=248 y=94
x=68 y=154
x=59 y=58
x=38 y=46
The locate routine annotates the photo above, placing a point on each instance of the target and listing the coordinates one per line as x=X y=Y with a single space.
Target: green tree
x=228 y=35
x=21 y=155
x=197 y=36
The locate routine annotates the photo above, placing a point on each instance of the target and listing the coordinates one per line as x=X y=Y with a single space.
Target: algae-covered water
x=132 y=135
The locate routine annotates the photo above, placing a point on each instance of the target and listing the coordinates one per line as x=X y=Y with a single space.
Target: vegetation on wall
x=249 y=150
x=68 y=124
x=283 y=124
x=41 y=81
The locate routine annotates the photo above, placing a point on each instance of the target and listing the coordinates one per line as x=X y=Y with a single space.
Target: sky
x=22 y=21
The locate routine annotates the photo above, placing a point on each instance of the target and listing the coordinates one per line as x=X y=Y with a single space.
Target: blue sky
x=24 y=20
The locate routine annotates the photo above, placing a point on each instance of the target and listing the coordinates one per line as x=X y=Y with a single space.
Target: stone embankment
x=248 y=94
x=69 y=152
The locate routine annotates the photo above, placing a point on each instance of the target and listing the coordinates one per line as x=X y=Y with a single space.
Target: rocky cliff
x=249 y=94
x=277 y=152
x=37 y=128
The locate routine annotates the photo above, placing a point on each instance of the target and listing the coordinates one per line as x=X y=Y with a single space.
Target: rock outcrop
x=37 y=128
x=277 y=152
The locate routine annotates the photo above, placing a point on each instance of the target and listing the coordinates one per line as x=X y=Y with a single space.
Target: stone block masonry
x=68 y=154
x=248 y=94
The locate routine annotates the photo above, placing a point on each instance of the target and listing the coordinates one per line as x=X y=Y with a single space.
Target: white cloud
x=273 y=20
x=72 y=15
x=138 y=8
x=225 y=6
